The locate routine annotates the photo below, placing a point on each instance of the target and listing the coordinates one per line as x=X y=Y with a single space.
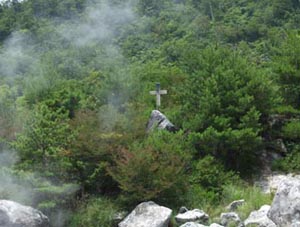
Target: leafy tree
x=229 y=101
x=286 y=66
x=43 y=145
x=153 y=169
x=152 y=7
x=92 y=152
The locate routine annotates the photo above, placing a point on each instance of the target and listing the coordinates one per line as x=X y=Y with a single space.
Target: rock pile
x=284 y=212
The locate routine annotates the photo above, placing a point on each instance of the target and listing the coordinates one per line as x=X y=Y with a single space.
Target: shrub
x=211 y=175
x=97 y=212
x=228 y=102
x=207 y=181
x=153 y=169
x=290 y=163
x=292 y=130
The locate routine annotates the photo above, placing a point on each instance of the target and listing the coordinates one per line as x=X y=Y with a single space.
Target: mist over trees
x=74 y=100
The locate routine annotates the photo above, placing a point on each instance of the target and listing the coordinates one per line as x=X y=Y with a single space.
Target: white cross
x=158 y=92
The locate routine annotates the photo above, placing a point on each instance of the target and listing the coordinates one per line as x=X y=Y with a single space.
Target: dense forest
x=74 y=102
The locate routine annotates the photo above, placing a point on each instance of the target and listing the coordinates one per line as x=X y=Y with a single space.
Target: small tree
x=228 y=101
x=153 y=169
x=286 y=66
x=43 y=145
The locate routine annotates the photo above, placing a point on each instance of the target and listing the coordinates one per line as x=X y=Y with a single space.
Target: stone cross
x=158 y=93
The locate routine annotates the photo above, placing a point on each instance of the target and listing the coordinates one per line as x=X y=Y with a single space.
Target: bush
x=153 y=169
x=211 y=175
x=207 y=181
x=97 y=212
x=291 y=134
x=229 y=100
x=291 y=130
x=290 y=163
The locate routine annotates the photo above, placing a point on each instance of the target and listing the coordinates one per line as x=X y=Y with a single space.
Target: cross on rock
x=158 y=93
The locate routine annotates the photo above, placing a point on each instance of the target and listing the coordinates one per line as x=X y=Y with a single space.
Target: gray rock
x=296 y=224
x=280 y=146
x=118 y=217
x=195 y=215
x=260 y=218
x=285 y=208
x=148 y=214
x=270 y=183
x=229 y=218
x=193 y=224
x=216 y=225
x=182 y=210
x=160 y=121
x=13 y=214
x=235 y=204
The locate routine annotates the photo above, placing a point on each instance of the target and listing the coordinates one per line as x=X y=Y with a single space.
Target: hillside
x=74 y=101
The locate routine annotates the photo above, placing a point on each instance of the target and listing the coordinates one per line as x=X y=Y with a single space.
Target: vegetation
x=74 y=101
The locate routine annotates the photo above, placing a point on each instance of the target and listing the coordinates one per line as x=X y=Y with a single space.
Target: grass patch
x=253 y=196
x=97 y=212
x=204 y=200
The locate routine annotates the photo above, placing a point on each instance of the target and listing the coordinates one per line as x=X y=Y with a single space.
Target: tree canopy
x=74 y=96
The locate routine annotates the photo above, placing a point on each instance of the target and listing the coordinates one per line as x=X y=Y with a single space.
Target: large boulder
x=271 y=182
x=195 y=215
x=148 y=214
x=260 y=218
x=13 y=214
x=285 y=208
x=160 y=121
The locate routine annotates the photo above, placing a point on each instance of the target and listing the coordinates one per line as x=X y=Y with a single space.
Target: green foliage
x=8 y=96
x=44 y=143
x=210 y=174
x=287 y=110
x=286 y=66
x=152 y=7
x=253 y=196
x=98 y=212
x=83 y=101
x=233 y=190
x=153 y=169
x=290 y=163
x=91 y=152
x=207 y=182
x=291 y=130
x=228 y=102
x=30 y=189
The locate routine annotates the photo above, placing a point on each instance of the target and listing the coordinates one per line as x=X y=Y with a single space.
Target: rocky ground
x=283 y=212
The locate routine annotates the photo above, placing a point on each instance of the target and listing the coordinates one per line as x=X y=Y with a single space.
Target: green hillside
x=74 y=101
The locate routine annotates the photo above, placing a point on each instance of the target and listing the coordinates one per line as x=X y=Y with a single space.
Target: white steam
x=101 y=23
x=19 y=56
x=16 y=56
x=10 y=187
